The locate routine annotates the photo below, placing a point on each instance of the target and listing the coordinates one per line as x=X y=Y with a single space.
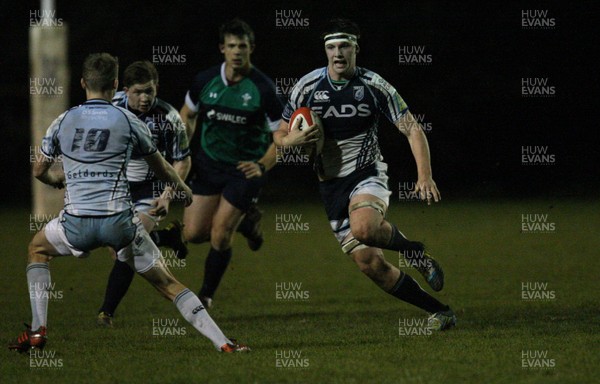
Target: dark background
x=470 y=94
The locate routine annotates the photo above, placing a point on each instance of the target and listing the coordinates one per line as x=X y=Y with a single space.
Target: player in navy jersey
x=234 y=109
x=168 y=134
x=350 y=101
x=97 y=140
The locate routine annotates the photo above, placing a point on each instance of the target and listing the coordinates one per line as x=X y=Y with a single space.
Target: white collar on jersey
x=224 y=77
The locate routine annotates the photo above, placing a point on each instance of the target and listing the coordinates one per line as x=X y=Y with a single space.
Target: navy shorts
x=217 y=178
x=337 y=193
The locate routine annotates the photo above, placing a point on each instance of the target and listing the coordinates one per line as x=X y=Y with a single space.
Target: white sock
x=194 y=312
x=38 y=280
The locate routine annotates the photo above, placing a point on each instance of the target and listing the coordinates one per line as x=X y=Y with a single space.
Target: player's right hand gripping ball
x=308 y=117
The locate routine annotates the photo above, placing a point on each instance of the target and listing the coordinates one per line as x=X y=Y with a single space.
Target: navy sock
x=214 y=269
x=246 y=226
x=407 y=289
x=160 y=237
x=119 y=281
x=400 y=243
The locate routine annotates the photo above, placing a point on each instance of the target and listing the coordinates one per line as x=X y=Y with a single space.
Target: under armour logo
x=212 y=95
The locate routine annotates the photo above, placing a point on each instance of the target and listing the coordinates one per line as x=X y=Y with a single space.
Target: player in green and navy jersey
x=234 y=108
x=351 y=101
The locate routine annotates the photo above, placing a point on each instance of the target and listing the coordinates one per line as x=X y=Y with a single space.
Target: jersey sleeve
x=389 y=101
x=301 y=90
x=142 y=138
x=291 y=105
x=50 y=145
x=119 y=99
x=271 y=103
x=273 y=110
x=192 y=97
x=179 y=149
x=294 y=101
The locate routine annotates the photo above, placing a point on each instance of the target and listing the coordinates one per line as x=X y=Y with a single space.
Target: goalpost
x=49 y=93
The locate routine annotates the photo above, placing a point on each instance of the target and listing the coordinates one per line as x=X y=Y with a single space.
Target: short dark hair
x=341 y=25
x=140 y=72
x=100 y=71
x=236 y=27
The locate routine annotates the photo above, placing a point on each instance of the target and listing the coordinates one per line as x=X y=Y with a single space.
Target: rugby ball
x=306 y=116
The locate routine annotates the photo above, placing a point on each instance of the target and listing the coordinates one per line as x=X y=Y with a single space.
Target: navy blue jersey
x=350 y=114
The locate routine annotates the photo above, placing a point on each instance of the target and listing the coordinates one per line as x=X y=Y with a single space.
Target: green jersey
x=235 y=120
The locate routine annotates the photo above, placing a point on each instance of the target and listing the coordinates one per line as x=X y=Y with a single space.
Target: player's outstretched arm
x=419 y=146
x=42 y=172
x=165 y=172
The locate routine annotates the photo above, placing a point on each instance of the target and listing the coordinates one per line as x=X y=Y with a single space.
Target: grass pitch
x=312 y=317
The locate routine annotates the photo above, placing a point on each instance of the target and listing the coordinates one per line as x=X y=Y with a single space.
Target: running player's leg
x=46 y=244
x=389 y=278
x=40 y=253
x=143 y=255
x=198 y=217
x=369 y=227
x=244 y=193
x=121 y=275
x=207 y=186
x=197 y=225
x=368 y=204
x=170 y=236
x=119 y=280
x=186 y=302
x=224 y=223
x=251 y=229
x=366 y=213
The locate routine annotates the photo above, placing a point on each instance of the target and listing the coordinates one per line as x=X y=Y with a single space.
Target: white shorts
x=55 y=234
x=143 y=207
x=141 y=254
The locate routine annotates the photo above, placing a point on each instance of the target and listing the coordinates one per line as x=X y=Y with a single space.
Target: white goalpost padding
x=49 y=92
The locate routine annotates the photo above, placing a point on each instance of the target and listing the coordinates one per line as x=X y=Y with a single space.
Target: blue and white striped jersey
x=350 y=114
x=168 y=135
x=97 y=141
